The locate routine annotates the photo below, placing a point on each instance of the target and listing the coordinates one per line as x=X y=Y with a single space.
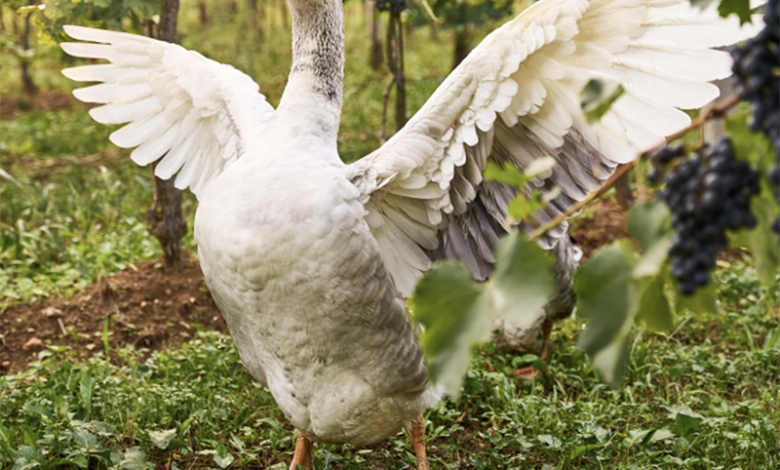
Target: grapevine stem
x=577 y=206
x=716 y=111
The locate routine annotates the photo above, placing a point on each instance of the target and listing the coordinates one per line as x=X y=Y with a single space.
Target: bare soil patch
x=143 y=306
x=608 y=224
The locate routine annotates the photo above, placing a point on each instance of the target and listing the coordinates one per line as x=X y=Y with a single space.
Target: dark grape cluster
x=661 y=159
x=756 y=67
x=707 y=196
x=392 y=5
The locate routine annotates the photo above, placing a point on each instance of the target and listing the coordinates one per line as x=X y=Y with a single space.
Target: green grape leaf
x=521 y=208
x=752 y=147
x=524 y=205
x=649 y=223
x=653 y=307
x=653 y=259
x=703 y=300
x=607 y=299
x=762 y=242
x=741 y=8
x=597 y=97
x=756 y=149
x=455 y=314
x=522 y=283
x=507 y=174
x=611 y=360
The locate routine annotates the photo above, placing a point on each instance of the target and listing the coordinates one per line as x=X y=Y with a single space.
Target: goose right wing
x=516 y=99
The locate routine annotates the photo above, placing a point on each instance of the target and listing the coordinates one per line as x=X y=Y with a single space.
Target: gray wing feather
x=472 y=233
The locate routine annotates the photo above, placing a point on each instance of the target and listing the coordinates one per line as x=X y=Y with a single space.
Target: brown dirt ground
x=608 y=224
x=145 y=306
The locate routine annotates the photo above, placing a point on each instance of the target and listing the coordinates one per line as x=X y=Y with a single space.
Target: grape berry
x=707 y=197
x=662 y=159
x=756 y=66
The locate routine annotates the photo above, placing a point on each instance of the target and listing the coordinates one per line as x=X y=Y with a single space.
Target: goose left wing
x=184 y=111
x=516 y=98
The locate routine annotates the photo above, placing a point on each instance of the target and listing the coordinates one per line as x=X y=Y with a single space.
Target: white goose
x=308 y=258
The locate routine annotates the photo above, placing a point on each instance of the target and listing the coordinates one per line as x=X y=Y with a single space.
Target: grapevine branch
x=715 y=112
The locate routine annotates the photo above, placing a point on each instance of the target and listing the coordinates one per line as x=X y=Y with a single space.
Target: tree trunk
x=24 y=44
x=203 y=14
x=462 y=48
x=164 y=218
x=625 y=197
x=253 y=18
x=149 y=28
x=375 y=56
x=395 y=60
x=400 y=92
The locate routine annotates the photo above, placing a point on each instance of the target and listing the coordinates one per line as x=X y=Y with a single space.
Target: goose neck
x=314 y=88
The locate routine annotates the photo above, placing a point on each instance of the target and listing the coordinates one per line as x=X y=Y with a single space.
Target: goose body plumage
x=342 y=361
x=309 y=259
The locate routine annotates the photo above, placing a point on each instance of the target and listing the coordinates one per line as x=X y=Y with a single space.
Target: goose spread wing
x=185 y=112
x=516 y=98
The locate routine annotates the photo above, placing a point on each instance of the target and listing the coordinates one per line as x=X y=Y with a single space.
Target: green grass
x=69 y=222
x=60 y=212
x=703 y=397
x=74 y=210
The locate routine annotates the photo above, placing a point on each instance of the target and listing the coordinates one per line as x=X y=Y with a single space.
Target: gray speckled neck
x=318 y=44
x=314 y=88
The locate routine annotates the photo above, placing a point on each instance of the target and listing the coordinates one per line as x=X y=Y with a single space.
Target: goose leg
x=303 y=452
x=529 y=372
x=418 y=443
x=547 y=327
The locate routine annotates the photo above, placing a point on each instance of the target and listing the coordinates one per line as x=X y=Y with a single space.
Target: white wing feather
x=516 y=99
x=184 y=111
